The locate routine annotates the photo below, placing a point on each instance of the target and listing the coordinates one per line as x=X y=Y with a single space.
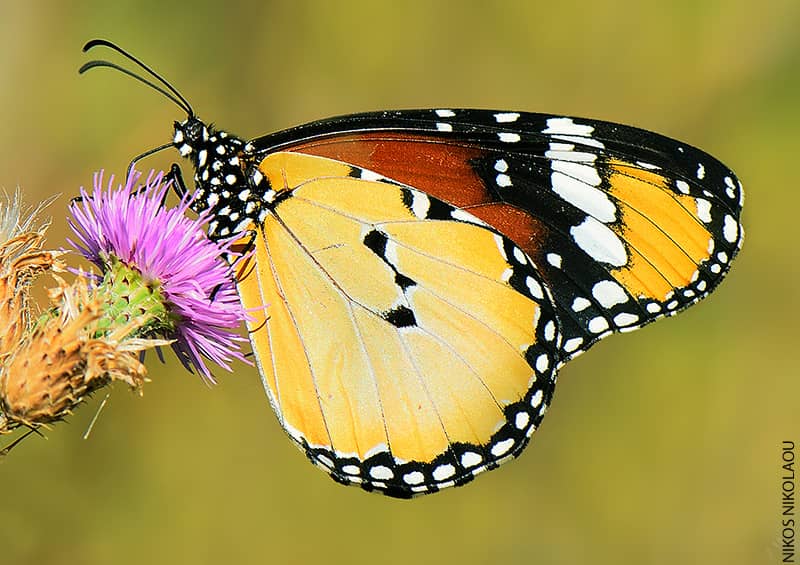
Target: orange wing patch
x=666 y=237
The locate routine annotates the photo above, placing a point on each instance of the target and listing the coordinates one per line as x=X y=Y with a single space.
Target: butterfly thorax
x=224 y=188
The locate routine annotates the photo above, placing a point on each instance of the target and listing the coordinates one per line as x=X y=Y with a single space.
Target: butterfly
x=418 y=277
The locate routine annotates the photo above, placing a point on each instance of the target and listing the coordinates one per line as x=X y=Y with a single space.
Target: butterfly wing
x=624 y=225
x=406 y=345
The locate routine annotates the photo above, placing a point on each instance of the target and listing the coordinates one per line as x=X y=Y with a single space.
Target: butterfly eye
x=194 y=130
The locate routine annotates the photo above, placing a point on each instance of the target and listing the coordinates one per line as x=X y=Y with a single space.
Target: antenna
x=167 y=90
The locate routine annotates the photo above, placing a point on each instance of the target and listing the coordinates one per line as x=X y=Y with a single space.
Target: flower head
x=158 y=255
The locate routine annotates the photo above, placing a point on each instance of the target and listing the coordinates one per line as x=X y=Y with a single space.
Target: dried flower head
x=65 y=357
x=161 y=257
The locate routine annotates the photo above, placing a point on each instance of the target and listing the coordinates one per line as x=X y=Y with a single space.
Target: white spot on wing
x=534 y=287
x=578 y=171
x=420 y=204
x=470 y=459
x=554 y=259
x=569 y=155
x=381 y=472
x=503 y=181
x=704 y=210
x=325 y=461
x=390 y=252
x=609 y=293
x=583 y=196
x=502 y=447
x=549 y=331
x=413 y=478
x=443 y=472
x=599 y=242
x=580 y=304
x=464 y=216
x=372 y=176
x=506 y=117
x=625 y=319
x=445 y=113
x=508 y=137
x=730 y=229
x=581 y=140
x=598 y=325
x=441 y=126
x=567 y=126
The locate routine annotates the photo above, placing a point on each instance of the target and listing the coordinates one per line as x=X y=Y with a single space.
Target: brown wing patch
x=439 y=168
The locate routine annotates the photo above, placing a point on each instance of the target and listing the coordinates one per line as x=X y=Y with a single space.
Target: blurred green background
x=661 y=447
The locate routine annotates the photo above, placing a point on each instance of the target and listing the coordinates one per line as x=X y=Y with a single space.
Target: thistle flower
x=161 y=262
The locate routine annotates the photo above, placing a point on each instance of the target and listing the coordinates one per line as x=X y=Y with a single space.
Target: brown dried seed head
x=59 y=363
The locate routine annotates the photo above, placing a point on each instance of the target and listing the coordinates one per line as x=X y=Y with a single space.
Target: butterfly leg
x=176 y=176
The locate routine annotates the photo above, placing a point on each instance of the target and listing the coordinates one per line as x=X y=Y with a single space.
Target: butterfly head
x=190 y=135
x=220 y=160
